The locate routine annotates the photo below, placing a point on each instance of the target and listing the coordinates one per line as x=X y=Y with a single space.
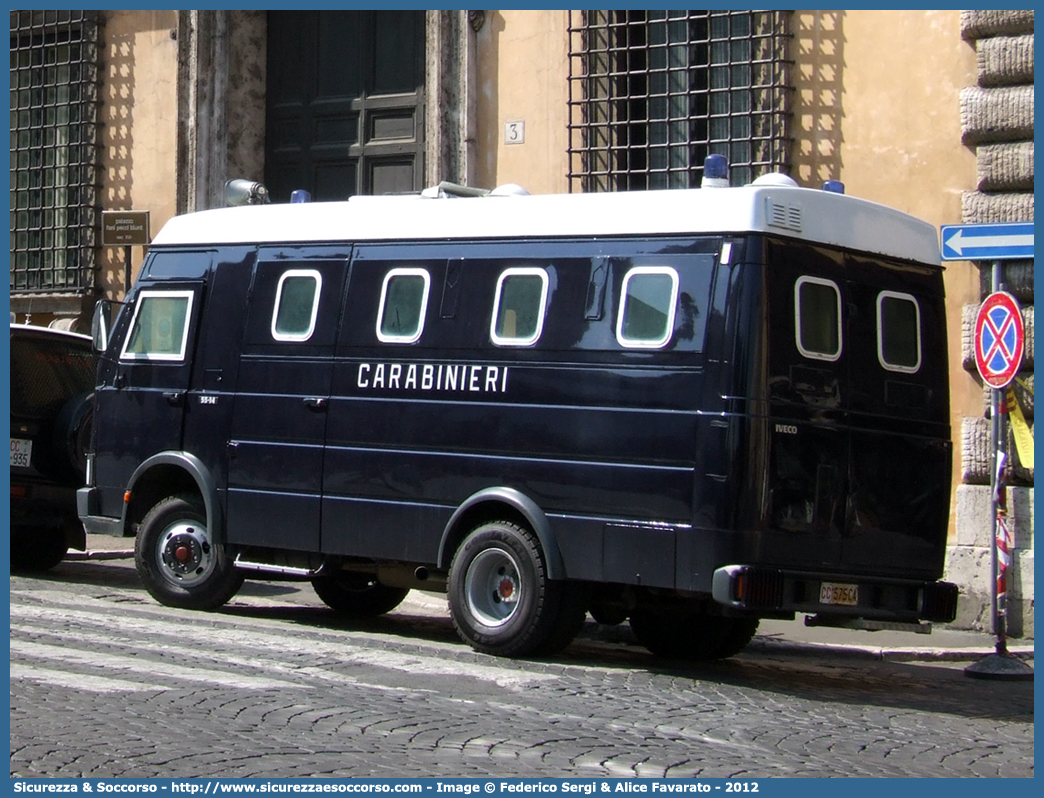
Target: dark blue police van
x=689 y=409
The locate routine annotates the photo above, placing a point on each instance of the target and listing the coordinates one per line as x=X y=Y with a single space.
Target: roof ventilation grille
x=782 y=215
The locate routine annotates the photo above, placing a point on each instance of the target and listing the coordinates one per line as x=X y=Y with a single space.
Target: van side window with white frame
x=404 y=304
x=519 y=306
x=898 y=332
x=296 y=305
x=159 y=328
x=817 y=323
x=647 y=308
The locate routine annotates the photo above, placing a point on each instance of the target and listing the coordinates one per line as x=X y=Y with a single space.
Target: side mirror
x=100 y=324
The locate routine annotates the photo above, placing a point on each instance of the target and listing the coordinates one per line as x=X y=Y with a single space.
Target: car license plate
x=21 y=452
x=837 y=593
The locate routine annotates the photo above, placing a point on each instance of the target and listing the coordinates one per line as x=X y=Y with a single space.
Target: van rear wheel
x=356 y=595
x=690 y=634
x=500 y=598
x=178 y=561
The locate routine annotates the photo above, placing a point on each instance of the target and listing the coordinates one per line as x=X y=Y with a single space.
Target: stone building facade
x=928 y=111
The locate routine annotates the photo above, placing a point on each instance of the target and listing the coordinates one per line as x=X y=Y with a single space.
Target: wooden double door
x=345 y=103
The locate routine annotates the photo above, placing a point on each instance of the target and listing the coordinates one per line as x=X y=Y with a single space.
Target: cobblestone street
x=107 y=683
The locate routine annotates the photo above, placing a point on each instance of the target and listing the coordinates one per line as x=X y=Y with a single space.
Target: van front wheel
x=500 y=598
x=178 y=561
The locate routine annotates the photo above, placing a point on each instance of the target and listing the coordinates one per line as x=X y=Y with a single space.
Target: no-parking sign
x=999 y=339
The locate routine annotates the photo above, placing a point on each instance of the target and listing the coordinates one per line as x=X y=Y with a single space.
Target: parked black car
x=52 y=382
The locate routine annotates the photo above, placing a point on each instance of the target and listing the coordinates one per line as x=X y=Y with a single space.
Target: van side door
x=282 y=394
x=145 y=375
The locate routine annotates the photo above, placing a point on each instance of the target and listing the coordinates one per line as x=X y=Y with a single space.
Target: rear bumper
x=769 y=591
x=36 y=505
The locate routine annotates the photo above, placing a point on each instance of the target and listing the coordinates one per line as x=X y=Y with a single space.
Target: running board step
x=281 y=570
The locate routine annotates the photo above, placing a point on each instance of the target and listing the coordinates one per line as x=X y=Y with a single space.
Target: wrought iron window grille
x=54 y=164
x=652 y=93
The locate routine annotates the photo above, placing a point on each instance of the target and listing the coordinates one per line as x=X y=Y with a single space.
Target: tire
x=177 y=560
x=37 y=548
x=734 y=639
x=690 y=634
x=72 y=433
x=607 y=614
x=501 y=600
x=356 y=595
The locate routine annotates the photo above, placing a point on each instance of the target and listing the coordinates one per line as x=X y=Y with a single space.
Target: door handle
x=174 y=397
x=315 y=402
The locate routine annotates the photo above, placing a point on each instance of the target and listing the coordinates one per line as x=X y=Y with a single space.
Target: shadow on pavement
x=826 y=675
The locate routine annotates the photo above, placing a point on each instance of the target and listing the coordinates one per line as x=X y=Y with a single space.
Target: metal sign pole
x=126 y=271
x=996 y=486
x=1001 y=545
x=1002 y=664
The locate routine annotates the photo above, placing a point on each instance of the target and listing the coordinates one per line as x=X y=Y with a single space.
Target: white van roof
x=785 y=210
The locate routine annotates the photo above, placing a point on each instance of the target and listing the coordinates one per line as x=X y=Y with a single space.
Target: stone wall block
x=1027 y=323
x=1022 y=583
x=1005 y=167
x=992 y=22
x=976 y=451
x=1020 y=510
x=1019 y=474
x=1005 y=60
x=973 y=515
x=980 y=208
x=977 y=455
x=1020 y=601
x=1016 y=276
x=998 y=114
x=974 y=510
x=969 y=568
x=968 y=314
x=969 y=563
x=1024 y=396
x=1024 y=393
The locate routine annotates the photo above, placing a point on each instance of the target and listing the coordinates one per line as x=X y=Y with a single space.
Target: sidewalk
x=790 y=637
x=943 y=644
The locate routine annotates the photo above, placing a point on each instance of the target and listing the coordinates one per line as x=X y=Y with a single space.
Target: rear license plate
x=837 y=593
x=21 y=452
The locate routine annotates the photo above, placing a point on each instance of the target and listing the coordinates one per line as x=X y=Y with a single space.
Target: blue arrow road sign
x=987 y=241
